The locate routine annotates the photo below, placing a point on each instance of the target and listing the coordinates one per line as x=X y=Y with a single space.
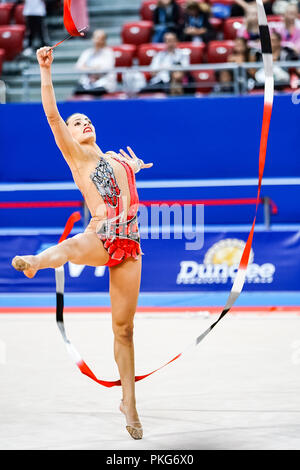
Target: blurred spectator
x=281 y=74
x=99 y=61
x=290 y=29
x=197 y=27
x=250 y=30
x=181 y=83
x=240 y=52
x=166 y=18
x=224 y=83
x=163 y=61
x=279 y=6
x=240 y=7
x=34 y=13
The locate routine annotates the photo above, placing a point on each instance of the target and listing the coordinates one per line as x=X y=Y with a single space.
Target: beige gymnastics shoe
x=21 y=264
x=134 y=428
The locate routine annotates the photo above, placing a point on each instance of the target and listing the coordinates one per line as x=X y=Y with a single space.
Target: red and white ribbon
x=241 y=274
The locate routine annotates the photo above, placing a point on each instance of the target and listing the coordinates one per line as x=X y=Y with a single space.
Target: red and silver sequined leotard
x=119 y=232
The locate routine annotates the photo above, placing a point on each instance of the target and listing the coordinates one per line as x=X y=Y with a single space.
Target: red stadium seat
x=2 y=57
x=18 y=15
x=11 y=40
x=194 y=50
x=147 y=9
x=5 y=13
x=138 y=32
x=146 y=52
x=275 y=18
x=218 y=51
x=124 y=56
x=216 y=23
x=202 y=78
x=231 y=26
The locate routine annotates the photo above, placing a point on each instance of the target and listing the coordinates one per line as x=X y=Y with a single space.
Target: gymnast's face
x=81 y=129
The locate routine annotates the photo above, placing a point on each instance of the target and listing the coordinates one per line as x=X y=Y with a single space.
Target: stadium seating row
x=215 y=52
x=10 y=13
x=11 y=40
x=148 y=6
x=136 y=37
x=140 y=32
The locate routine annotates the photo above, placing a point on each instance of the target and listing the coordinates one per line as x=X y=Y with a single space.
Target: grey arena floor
x=240 y=389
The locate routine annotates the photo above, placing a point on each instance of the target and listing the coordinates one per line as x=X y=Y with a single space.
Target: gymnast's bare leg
x=85 y=248
x=124 y=290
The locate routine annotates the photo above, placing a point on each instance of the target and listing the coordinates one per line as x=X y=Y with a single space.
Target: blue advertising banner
x=168 y=266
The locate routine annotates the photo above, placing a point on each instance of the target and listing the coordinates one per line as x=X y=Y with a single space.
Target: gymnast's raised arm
x=69 y=147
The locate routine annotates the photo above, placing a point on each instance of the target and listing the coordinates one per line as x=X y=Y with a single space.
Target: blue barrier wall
x=218 y=137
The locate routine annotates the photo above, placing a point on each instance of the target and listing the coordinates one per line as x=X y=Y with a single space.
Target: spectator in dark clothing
x=224 y=83
x=197 y=27
x=35 y=13
x=167 y=15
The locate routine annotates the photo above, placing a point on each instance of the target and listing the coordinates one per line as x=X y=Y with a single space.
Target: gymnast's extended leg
x=84 y=248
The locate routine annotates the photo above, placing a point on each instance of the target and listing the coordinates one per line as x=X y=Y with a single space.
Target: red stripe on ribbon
x=75 y=217
x=68 y=20
x=262 y=160
x=84 y=369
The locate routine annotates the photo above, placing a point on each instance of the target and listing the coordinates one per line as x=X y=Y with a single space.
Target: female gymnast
x=107 y=183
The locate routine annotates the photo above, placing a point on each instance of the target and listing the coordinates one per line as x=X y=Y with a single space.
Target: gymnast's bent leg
x=84 y=248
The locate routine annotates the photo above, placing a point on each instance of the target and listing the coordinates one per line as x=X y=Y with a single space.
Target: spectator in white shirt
x=163 y=61
x=35 y=12
x=99 y=62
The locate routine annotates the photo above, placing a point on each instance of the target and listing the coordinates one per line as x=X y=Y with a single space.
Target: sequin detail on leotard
x=105 y=182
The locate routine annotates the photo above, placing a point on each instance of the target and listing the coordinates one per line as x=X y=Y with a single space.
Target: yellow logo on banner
x=228 y=251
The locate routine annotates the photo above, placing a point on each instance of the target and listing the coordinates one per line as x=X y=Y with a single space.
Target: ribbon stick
x=241 y=274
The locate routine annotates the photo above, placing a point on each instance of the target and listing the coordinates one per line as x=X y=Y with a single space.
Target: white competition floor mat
x=240 y=389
